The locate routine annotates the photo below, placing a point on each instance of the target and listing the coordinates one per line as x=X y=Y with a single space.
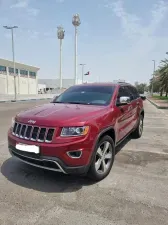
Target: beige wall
x=25 y=88
x=10 y=85
x=3 y=86
x=32 y=86
x=24 y=85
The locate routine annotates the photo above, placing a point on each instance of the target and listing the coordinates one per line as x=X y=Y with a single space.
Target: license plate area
x=28 y=148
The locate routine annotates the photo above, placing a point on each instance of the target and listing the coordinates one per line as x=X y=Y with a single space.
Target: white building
x=26 y=78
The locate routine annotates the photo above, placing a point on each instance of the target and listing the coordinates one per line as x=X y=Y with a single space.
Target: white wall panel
x=3 y=84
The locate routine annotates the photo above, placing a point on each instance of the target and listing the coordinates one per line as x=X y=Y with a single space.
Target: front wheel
x=139 y=129
x=103 y=159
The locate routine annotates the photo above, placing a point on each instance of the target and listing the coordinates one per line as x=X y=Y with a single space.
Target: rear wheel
x=103 y=159
x=139 y=130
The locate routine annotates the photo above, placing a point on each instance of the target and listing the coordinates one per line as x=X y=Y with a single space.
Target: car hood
x=60 y=114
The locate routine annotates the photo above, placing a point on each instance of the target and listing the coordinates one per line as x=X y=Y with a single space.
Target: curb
x=159 y=107
x=25 y=100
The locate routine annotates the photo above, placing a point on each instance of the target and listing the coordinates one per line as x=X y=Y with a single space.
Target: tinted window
x=123 y=92
x=134 y=93
x=32 y=74
x=91 y=95
x=11 y=70
x=3 y=68
x=24 y=72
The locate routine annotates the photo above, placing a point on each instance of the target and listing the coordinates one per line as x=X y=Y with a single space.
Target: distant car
x=77 y=132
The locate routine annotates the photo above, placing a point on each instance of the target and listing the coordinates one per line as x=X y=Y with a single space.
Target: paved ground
x=134 y=193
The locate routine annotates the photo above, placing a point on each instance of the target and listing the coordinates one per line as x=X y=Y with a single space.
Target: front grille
x=33 y=133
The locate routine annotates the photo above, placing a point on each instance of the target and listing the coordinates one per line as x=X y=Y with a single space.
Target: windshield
x=87 y=95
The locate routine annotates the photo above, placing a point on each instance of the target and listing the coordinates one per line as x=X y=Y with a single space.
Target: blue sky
x=118 y=39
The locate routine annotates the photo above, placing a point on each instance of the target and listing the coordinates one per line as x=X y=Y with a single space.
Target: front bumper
x=59 y=150
x=47 y=162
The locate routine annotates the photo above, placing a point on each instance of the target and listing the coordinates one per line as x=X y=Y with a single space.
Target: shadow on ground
x=38 y=179
x=41 y=180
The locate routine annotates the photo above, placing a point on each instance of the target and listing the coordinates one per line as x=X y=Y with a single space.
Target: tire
x=137 y=133
x=102 y=162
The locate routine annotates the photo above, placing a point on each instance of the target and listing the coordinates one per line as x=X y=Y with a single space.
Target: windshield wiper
x=79 y=103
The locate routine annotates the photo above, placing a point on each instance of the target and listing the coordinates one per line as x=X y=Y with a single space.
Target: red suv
x=77 y=132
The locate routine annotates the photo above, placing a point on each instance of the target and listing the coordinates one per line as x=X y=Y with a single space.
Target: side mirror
x=143 y=97
x=124 y=101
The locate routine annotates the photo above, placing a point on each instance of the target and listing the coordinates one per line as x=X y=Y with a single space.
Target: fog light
x=75 y=154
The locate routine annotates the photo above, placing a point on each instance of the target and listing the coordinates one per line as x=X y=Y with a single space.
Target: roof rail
x=123 y=83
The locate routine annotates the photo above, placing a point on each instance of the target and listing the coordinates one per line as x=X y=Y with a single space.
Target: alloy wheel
x=140 y=126
x=103 y=157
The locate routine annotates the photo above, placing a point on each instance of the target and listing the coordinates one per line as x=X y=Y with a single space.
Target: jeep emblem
x=32 y=121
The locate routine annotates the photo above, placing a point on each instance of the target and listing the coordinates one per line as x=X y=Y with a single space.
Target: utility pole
x=13 y=54
x=60 y=35
x=76 y=22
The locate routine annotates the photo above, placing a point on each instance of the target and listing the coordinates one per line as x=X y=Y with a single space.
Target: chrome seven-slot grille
x=33 y=133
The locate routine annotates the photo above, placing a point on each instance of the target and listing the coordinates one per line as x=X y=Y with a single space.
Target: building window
x=3 y=68
x=33 y=74
x=11 y=70
x=24 y=72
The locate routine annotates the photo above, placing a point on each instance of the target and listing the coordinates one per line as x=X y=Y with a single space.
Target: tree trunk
x=166 y=94
x=161 y=93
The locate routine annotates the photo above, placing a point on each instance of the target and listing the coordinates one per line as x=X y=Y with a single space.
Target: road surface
x=134 y=193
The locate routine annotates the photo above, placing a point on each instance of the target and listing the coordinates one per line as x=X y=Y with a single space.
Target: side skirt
x=119 y=142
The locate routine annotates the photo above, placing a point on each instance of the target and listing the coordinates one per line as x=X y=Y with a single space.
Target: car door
x=135 y=100
x=124 y=114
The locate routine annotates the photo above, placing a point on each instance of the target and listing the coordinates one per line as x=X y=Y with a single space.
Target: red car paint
x=98 y=117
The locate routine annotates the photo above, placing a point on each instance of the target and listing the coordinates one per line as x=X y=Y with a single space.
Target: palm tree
x=163 y=70
x=155 y=82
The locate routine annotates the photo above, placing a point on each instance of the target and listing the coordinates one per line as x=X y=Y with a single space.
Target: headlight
x=13 y=122
x=74 y=131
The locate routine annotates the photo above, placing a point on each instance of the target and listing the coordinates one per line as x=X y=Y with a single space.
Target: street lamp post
x=13 y=53
x=82 y=70
x=60 y=35
x=154 y=63
x=76 y=22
